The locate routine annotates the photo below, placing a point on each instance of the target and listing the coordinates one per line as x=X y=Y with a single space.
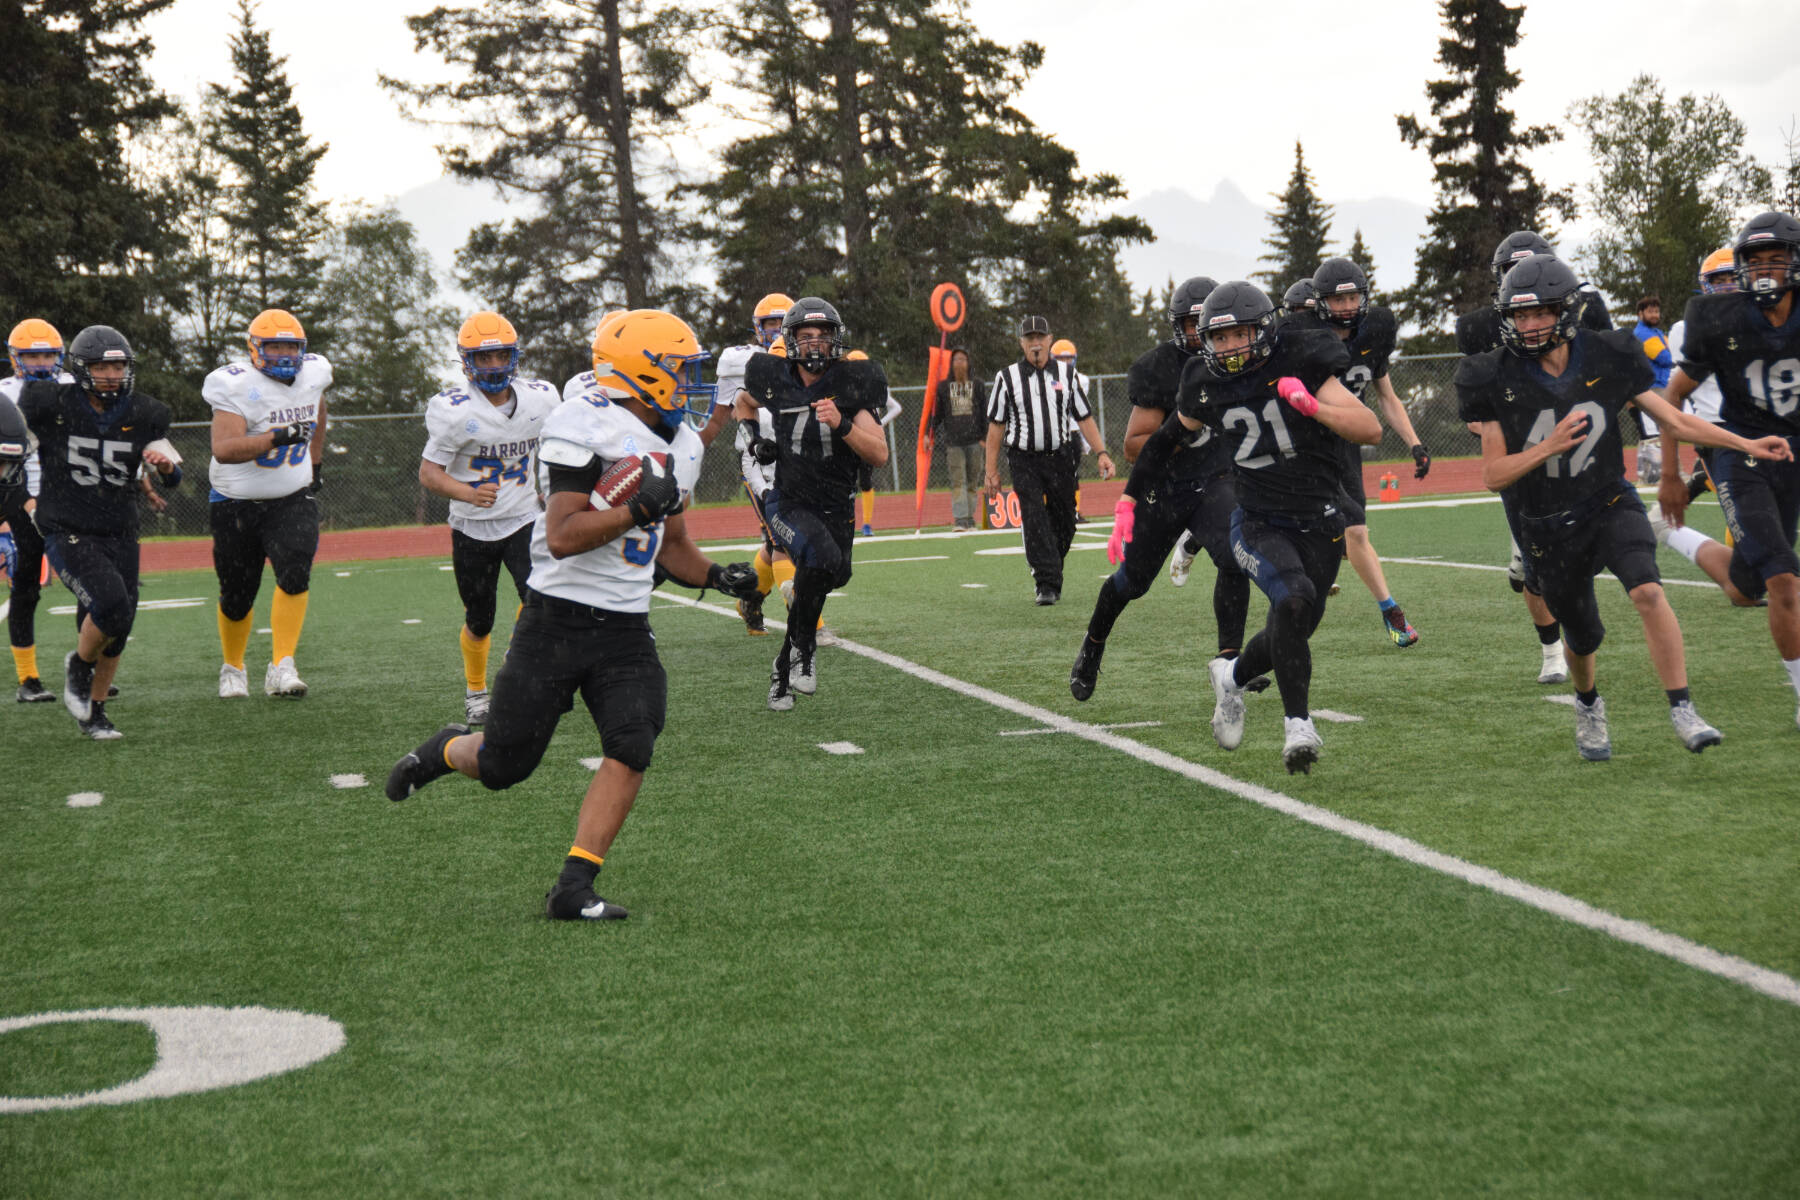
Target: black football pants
x=1045 y=486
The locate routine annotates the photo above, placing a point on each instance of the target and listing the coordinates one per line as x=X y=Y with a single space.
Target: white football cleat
x=233 y=684
x=1180 y=563
x=1556 y=667
x=1228 y=709
x=805 y=679
x=1301 y=749
x=1590 y=731
x=283 y=680
x=475 y=707
x=1695 y=733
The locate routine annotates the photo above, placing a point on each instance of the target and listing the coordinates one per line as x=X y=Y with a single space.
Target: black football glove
x=765 y=451
x=1421 y=461
x=292 y=434
x=737 y=580
x=657 y=497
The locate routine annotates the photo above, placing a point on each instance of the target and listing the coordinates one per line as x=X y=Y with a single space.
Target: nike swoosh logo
x=124 y=429
x=1592 y=382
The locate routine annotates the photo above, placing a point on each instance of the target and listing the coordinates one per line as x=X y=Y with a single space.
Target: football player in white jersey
x=773 y=567
x=35 y=350
x=268 y=429
x=585 y=627
x=478 y=454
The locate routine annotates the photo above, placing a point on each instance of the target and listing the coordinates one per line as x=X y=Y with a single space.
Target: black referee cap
x=1031 y=325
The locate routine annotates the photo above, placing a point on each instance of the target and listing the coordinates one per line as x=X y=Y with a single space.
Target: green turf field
x=969 y=960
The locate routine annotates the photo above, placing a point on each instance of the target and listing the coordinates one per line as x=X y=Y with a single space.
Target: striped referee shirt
x=1039 y=406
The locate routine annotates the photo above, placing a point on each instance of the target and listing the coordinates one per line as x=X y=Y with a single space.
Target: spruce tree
x=390 y=333
x=83 y=232
x=256 y=128
x=1485 y=190
x=1302 y=223
x=892 y=158
x=1360 y=254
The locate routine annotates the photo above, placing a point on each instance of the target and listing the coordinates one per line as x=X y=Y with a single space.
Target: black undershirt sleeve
x=1154 y=458
x=575 y=479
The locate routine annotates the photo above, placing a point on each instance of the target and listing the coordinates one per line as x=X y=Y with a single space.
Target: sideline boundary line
x=1741 y=971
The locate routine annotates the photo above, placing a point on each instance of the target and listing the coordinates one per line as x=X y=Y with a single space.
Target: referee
x=1035 y=408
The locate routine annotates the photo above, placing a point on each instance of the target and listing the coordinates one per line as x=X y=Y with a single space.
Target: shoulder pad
x=561 y=453
x=1479 y=370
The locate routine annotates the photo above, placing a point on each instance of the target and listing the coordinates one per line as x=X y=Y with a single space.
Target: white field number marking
x=840 y=747
x=85 y=799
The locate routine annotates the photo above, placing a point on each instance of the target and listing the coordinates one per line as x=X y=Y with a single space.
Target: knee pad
x=501 y=768
x=293 y=578
x=1293 y=611
x=479 y=617
x=632 y=745
x=817 y=581
x=1582 y=629
x=1745 y=577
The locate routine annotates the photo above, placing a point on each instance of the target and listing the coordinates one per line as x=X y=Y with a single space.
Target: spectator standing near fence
x=1034 y=409
x=957 y=422
x=1656 y=349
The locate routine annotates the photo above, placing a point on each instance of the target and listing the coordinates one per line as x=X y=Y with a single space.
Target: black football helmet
x=15 y=445
x=1341 y=277
x=811 y=310
x=1187 y=301
x=1516 y=247
x=1539 y=281
x=98 y=344
x=1767 y=229
x=1300 y=297
x=1231 y=305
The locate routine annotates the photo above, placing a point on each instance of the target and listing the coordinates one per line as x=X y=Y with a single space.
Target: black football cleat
x=78 y=686
x=97 y=726
x=751 y=609
x=33 y=691
x=1086 y=671
x=581 y=904
x=423 y=765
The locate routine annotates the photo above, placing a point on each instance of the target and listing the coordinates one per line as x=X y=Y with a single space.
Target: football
x=620 y=481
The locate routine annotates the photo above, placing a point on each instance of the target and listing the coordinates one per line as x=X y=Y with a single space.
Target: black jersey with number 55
x=1605 y=371
x=90 y=461
x=1286 y=464
x=817 y=467
x=1757 y=364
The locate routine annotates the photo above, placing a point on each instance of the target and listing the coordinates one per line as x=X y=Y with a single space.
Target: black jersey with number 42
x=817 y=467
x=1154 y=382
x=1757 y=364
x=1605 y=371
x=90 y=464
x=1286 y=464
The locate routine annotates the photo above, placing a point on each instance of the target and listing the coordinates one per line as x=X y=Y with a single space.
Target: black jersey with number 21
x=1605 y=371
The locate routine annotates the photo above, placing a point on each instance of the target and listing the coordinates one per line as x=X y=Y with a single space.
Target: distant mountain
x=443 y=212
x=1223 y=236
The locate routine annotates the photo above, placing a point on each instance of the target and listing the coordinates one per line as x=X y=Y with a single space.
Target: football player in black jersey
x=1194 y=497
x=1478 y=331
x=1550 y=406
x=1300 y=297
x=825 y=410
x=93 y=436
x=1371 y=335
x=1274 y=398
x=1749 y=340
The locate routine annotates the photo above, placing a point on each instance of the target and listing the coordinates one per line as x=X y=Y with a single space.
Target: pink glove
x=1295 y=393
x=1124 y=517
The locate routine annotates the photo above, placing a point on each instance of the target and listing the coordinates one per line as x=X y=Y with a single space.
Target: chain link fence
x=372 y=462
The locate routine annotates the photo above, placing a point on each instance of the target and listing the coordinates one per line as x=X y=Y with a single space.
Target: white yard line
x=1702 y=958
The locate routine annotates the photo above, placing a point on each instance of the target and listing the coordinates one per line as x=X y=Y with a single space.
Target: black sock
x=577 y=873
x=1677 y=696
x=1550 y=634
x=1588 y=697
x=1291 y=655
x=1231 y=605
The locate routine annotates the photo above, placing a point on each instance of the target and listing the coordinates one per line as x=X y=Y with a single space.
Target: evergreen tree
x=203 y=259
x=391 y=339
x=1360 y=254
x=1787 y=179
x=565 y=103
x=83 y=232
x=891 y=159
x=1671 y=180
x=1484 y=188
x=255 y=127
x=1302 y=224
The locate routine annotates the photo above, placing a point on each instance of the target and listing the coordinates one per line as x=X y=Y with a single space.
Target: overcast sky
x=1162 y=94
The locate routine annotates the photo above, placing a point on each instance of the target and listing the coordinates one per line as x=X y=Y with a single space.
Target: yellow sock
x=1077 y=499
x=233 y=637
x=475 y=656
x=286 y=616
x=868 y=505
x=589 y=855
x=25 y=662
x=784 y=571
x=765 y=572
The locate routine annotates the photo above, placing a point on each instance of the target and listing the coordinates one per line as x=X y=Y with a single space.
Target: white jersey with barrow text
x=477 y=442
x=266 y=403
x=10 y=387
x=618 y=576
